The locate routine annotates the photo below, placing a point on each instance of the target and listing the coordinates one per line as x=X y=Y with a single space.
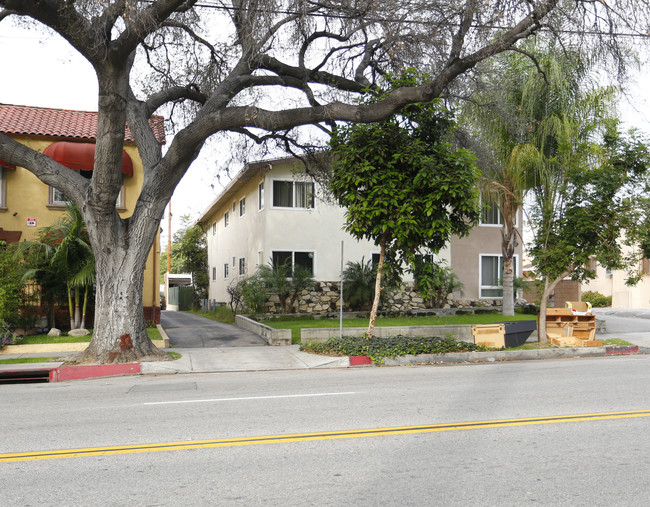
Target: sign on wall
x=31 y=222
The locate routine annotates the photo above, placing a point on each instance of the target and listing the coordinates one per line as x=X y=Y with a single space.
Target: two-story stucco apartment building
x=273 y=211
x=26 y=203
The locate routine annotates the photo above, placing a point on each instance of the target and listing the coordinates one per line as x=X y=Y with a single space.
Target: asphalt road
x=186 y=330
x=283 y=455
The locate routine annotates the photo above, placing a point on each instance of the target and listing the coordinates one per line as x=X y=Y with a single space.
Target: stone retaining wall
x=325 y=298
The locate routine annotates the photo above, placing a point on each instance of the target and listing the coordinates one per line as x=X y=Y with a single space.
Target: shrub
x=379 y=348
x=286 y=282
x=435 y=283
x=596 y=299
x=359 y=284
x=253 y=293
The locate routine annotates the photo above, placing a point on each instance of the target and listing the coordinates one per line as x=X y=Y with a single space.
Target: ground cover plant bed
x=379 y=348
x=39 y=339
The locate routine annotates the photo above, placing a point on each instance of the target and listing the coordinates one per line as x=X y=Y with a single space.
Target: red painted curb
x=621 y=349
x=93 y=370
x=359 y=360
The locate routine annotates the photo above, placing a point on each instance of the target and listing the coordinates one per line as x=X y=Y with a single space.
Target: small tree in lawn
x=403 y=185
x=587 y=210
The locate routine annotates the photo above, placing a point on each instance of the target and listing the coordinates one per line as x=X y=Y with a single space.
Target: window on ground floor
x=491 y=275
x=242 y=266
x=303 y=259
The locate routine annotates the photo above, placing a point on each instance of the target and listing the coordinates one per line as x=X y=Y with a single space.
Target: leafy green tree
x=403 y=185
x=63 y=251
x=588 y=207
x=190 y=255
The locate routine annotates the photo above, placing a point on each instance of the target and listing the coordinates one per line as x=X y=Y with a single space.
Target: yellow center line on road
x=301 y=437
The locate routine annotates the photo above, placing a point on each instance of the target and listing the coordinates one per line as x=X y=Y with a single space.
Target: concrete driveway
x=632 y=325
x=191 y=331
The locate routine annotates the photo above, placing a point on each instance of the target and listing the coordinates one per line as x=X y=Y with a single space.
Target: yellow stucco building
x=67 y=136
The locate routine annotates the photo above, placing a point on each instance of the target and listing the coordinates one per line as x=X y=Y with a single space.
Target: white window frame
x=55 y=202
x=242 y=266
x=226 y=271
x=499 y=221
x=260 y=196
x=493 y=287
x=260 y=257
x=242 y=207
x=293 y=257
x=226 y=219
x=293 y=194
x=234 y=207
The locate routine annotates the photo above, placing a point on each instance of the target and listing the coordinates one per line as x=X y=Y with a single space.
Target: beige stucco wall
x=466 y=254
x=318 y=230
x=27 y=197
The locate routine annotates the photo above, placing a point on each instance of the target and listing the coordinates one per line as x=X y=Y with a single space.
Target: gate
x=181 y=296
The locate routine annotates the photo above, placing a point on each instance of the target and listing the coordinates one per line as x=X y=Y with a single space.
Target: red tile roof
x=61 y=123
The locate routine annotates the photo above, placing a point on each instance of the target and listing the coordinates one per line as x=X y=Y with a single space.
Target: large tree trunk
x=120 y=332
x=375 y=303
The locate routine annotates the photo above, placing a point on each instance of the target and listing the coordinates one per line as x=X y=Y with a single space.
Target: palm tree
x=65 y=253
x=516 y=134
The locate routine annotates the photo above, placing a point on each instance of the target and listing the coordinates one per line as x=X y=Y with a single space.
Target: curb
x=93 y=371
x=515 y=355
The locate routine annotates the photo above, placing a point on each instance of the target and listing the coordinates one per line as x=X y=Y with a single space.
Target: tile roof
x=61 y=123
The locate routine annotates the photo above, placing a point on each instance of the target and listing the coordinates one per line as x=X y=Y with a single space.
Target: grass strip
x=39 y=339
x=21 y=360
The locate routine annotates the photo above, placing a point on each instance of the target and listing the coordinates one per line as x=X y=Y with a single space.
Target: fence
x=180 y=298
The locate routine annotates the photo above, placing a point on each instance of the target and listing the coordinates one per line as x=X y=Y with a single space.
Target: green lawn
x=21 y=360
x=222 y=314
x=297 y=324
x=153 y=333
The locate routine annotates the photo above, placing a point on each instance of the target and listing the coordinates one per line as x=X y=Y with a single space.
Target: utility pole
x=169 y=239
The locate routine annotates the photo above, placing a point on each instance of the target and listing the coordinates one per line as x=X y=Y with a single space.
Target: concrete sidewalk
x=242 y=359
x=633 y=327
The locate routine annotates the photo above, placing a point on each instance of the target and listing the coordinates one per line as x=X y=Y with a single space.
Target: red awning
x=81 y=156
x=6 y=164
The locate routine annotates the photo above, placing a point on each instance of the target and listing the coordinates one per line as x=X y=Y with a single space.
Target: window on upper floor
x=226 y=219
x=303 y=259
x=234 y=207
x=214 y=274
x=491 y=275
x=214 y=228
x=242 y=266
x=242 y=207
x=260 y=196
x=293 y=194
x=225 y=270
x=57 y=199
x=491 y=216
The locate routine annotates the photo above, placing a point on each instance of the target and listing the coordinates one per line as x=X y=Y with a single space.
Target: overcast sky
x=44 y=71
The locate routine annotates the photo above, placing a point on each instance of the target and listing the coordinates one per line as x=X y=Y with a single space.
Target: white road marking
x=215 y=400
